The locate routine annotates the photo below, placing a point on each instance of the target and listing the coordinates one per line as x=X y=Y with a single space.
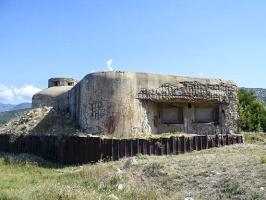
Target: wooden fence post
x=172 y=144
x=182 y=144
x=122 y=147
x=165 y=149
x=195 y=143
x=73 y=149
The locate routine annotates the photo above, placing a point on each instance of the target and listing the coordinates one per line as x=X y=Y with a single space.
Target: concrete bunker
x=130 y=104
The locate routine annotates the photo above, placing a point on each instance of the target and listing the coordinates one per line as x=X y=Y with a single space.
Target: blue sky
x=43 y=39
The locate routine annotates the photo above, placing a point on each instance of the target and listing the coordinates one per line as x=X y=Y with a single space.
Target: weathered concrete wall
x=126 y=103
x=56 y=97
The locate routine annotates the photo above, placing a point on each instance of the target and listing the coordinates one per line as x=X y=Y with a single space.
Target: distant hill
x=9 y=111
x=11 y=107
x=5 y=107
x=21 y=106
x=259 y=92
x=8 y=115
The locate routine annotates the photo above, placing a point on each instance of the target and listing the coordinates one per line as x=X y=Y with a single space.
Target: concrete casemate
x=130 y=104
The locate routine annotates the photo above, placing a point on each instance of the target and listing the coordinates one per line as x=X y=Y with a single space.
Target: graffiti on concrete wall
x=97 y=110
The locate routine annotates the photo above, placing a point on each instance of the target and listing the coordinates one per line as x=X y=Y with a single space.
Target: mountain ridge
x=259 y=92
x=11 y=107
x=5 y=107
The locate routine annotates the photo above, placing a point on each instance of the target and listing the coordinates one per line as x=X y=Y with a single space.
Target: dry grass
x=149 y=135
x=255 y=138
x=228 y=172
x=232 y=172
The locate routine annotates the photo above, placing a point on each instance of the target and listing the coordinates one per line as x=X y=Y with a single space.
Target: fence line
x=78 y=150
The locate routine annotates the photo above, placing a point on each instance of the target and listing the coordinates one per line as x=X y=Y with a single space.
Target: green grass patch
x=232 y=188
x=263 y=160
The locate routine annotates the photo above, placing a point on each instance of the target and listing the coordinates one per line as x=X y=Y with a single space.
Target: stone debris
x=46 y=121
x=116 y=175
x=120 y=186
x=112 y=196
x=119 y=172
x=129 y=162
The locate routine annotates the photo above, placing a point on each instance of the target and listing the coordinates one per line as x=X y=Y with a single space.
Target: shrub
x=252 y=112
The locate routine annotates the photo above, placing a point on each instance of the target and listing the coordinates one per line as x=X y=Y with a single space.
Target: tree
x=252 y=112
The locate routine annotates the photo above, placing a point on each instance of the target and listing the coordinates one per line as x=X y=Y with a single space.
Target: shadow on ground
x=29 y=159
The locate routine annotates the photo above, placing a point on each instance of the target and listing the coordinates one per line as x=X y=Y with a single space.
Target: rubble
x=40 y=121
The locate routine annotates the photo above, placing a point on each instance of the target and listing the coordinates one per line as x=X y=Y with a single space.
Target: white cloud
x=15 y=95
x=6 y=94
x=109 y=64
x=201 y=74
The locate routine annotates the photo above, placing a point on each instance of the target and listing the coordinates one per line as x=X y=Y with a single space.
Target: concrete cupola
x=61 y=81
x=56 y=95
